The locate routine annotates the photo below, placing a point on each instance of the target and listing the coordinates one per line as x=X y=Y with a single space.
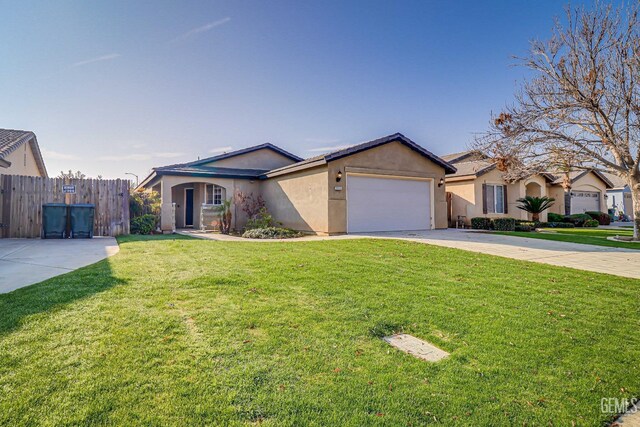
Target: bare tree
x=581 y=108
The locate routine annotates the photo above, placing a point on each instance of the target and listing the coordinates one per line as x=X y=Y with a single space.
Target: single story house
x=619 y=196
x=388 y=184
x=20 y=154
x=588 y=192
x=479 y=189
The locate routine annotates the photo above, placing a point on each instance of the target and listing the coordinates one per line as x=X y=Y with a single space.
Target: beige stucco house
x=20 y=154
x=479 y=189
x=387 y=184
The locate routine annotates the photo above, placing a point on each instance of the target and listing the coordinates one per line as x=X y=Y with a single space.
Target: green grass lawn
x=588 y=236
x=193 y=332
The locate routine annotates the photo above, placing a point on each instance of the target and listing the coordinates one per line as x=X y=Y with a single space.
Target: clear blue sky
x=120 y=86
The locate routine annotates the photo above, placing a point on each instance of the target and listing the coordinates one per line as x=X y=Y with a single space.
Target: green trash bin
x=82 y=220
x=54 y=220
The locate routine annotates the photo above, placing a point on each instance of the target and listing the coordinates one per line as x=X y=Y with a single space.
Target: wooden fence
x=22 y=197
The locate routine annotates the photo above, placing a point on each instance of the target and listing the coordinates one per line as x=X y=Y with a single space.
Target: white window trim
x=216 y=190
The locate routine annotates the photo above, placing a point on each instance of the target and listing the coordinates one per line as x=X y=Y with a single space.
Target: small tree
x=249 y=204
x=535 y=205
x=72 y=175
x=581 y=108
x=224 y=212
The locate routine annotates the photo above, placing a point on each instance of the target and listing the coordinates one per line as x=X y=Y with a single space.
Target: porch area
x=189 y=203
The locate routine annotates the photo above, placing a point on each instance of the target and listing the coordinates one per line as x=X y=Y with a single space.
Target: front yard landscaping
x=176 y=331
x=587 y=236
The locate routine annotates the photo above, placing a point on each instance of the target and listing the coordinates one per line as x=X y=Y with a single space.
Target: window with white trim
x=495 y=198
x=214 y=194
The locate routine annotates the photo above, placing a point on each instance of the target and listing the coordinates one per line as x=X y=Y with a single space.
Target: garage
x=381 y=203
x=584 y=201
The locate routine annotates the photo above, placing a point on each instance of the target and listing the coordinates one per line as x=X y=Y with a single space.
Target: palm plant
x=535 y=205
x=224 y=212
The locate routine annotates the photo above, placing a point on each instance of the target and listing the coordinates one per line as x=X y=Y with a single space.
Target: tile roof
x=209 y=171
x=353 y=149
x=615 y=180
x=472 y=169
x=576 y=175
x=454 y=158
x=267 y=145
x=11 y=139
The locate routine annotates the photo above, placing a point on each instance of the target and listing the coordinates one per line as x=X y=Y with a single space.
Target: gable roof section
x=11 y=139
x=617 y=182
x=576 y=175
x=248 y=150
x=470 y=155
x=348 y=151
x=471 y=169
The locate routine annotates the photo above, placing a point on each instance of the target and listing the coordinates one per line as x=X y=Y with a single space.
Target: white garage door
x=583 y=201
x=375 y=203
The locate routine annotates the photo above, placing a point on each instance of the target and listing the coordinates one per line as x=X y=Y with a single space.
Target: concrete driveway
x=600 y=259
x=24 y=262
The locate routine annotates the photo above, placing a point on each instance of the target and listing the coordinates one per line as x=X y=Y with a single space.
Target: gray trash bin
x=82 y=216
x=54 y=220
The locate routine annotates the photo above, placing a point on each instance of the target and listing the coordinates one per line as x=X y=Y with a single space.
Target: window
x=495 y=199
x=214 y=195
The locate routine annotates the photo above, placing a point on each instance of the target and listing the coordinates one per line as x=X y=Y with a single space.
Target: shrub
x=480 y=223
x=144 y=203
x=271 y=233
x=578 y=219
x=262 y=219
x=504 y=224
x=601 y=217
x=555 y=225
x=554 y=217
x=591 y=223
x=523 y=227
x=144 y=224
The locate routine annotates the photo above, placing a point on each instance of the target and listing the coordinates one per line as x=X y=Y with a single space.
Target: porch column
x=166 y=224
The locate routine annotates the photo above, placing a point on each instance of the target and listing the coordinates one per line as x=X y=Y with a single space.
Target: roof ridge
x=245 y=151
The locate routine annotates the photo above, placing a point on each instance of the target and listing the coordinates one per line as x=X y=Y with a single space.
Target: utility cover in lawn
x=416 y=347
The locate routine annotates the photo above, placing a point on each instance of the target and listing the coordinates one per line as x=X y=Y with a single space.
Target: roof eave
x=293 y=168
x=448 y=167
x=4 y=163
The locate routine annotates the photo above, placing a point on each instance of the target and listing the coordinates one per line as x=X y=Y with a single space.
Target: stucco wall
x=261 y=159
x=467 y=196
x=23 y=162
x=299 y=200
x=172 y=190
x=589 y=182
x=463 y=199
x=393 y=158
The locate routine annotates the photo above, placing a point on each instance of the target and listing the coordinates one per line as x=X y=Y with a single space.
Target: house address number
x=69 y=189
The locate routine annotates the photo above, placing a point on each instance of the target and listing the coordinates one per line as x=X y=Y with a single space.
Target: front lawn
x=195 y=332
x=587 y=236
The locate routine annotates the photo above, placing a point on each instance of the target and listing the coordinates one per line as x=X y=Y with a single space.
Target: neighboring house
x=619 y=196
x=479 y=189
x=20 y=154
x=588 y=192
x=388 y=184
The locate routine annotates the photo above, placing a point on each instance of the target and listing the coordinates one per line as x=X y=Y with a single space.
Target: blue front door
x=188 y=207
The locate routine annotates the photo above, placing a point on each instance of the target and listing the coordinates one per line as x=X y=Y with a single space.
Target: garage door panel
x=387 y=204
x=584 y=201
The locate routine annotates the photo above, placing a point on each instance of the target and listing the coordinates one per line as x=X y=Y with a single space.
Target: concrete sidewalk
x=24 y=262
x=599 y=259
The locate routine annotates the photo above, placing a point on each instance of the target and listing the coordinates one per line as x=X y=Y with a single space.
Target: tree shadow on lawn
x=54 y=294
